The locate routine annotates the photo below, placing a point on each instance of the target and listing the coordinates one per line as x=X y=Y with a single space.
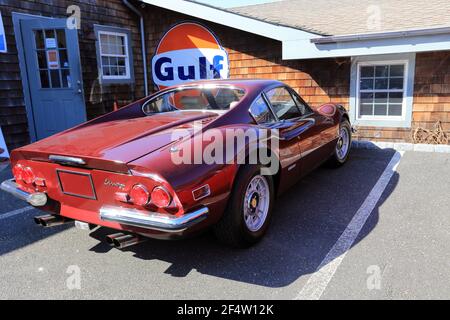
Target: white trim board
x=401 y=146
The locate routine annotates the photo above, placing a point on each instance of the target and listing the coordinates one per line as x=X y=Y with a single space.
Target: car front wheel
x=249 y=209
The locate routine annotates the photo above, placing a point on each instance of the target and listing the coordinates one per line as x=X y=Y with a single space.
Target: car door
x=288 y=149
x=290 y=123
x=315 y=141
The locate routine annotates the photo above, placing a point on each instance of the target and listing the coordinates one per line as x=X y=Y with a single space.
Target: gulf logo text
x=189 y=52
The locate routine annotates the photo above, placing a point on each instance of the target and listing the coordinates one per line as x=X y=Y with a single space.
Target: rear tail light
x=28 y=175
x=139 y=195
x=24 y=174
x=161 y=197
x=18 y=172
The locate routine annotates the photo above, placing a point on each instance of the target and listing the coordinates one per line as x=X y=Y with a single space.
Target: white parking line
x=15 y=212
x=319 y=280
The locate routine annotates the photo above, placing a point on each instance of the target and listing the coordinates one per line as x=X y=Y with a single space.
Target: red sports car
x=165 y=166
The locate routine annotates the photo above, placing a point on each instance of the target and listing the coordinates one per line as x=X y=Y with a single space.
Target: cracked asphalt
x=402 y=252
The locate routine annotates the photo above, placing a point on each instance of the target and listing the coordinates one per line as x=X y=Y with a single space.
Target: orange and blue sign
x=188 y=52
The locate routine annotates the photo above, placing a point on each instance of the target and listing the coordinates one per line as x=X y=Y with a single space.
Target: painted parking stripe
x=319 y=280
x=15 y=212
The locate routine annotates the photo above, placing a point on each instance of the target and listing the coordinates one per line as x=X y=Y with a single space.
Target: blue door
x=54 y=75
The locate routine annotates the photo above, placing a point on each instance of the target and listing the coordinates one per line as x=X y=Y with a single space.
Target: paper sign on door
x=52 y=59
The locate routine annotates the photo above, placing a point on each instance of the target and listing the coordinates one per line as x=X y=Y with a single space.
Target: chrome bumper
x=37 y=199
x=153 y=220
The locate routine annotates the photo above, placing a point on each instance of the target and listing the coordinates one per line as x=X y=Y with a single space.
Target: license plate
x=77 y=184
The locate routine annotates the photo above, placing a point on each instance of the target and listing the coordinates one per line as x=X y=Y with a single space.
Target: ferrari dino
x=132 y=170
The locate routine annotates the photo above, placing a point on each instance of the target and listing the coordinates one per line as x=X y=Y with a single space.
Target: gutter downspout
x=144 y=53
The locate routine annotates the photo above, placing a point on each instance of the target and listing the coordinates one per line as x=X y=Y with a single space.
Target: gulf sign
x=188 y=52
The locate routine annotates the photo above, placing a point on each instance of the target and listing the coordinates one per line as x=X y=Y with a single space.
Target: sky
x=233 y=3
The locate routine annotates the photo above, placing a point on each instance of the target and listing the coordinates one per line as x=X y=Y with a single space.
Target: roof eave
x=381 y=35
x=231 y=19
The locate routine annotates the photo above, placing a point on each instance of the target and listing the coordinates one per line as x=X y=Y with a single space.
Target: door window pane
x=261 y=112
x=65 y=76
x=61 y=38
x=39 y=37
x=42 y=59
x=52 y=58
x=282 y=104
x=54 y=77
x=45 y=83
x=63 y=59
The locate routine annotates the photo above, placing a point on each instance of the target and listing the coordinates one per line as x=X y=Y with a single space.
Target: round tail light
x=139 y=195
x=18 y=172
x=28 y=175
x=161 y=197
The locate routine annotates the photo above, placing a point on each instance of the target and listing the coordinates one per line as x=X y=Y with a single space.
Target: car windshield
x=194 y=98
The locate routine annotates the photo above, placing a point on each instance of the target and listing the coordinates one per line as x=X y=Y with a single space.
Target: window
x=52 y=57
x=381 y=90
x=304 y=108
x=261 y=112
x=216 y=98
x=282 y=103
x=114 y=56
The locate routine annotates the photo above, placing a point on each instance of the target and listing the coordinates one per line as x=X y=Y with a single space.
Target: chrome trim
x=66 y=160
x=37 y=199
x=153 y=220
x=205 y=195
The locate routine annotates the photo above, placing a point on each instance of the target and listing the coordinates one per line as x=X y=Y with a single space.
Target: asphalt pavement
x=401 y=252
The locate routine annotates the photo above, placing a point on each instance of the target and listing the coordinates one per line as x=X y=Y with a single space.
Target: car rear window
x=201 y=98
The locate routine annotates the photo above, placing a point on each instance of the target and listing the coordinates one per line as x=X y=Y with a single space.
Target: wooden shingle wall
x=99 y=99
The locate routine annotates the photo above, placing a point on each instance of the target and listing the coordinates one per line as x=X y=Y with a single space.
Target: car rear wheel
x=343 y=145
x=249 y=209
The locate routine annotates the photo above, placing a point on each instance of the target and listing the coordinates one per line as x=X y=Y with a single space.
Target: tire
x=233 y=229
x=341 y=153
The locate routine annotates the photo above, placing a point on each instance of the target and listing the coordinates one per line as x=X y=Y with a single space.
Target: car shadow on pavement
x=307 y=222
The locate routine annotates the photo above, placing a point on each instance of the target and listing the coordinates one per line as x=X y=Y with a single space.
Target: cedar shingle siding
x=321 y=80
x=318 y=81
x=98 y=99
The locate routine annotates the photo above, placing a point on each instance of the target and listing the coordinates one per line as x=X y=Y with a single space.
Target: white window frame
x=403 y=121
x=114 y=31
x=126 y=56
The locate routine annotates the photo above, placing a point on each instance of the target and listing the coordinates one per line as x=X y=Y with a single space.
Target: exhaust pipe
x=121 y=241
x=49 y=220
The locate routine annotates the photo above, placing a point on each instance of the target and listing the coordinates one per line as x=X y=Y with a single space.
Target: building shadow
x=307 y=222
